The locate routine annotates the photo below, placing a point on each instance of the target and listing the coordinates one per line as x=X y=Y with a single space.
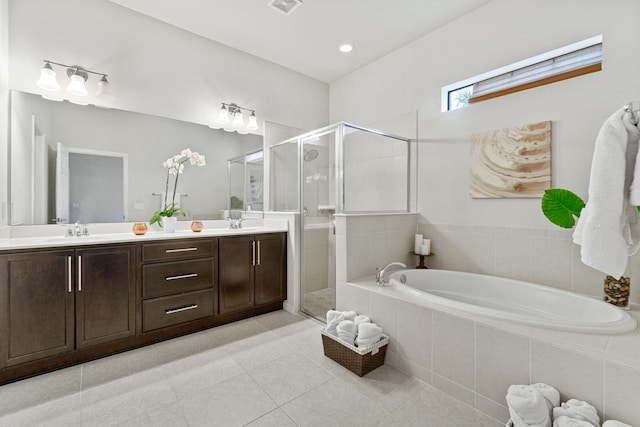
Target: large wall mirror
x=83 y=163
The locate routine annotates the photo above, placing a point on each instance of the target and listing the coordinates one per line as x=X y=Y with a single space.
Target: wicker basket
x=360 y=361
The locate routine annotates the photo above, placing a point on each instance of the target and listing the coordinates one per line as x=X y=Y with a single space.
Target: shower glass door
x=318 y=206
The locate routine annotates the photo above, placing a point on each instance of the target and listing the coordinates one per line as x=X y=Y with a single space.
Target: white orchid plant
x=175 y=166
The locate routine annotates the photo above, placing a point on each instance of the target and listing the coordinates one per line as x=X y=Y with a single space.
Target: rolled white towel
x=368 y=334
x=349 y=315
x=565 y=421
x=333 y=324
x=577 y=410
x=333 y=314
x=347 y=331
x=614 y=423
x=551 y=394
x=532 y=405
x=361 y=319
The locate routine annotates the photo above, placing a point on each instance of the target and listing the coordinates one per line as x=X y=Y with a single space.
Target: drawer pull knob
x=178 y=310
x=182 y=276
x=170 y=251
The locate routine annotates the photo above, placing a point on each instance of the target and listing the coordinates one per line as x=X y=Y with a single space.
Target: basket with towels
x=354 y=342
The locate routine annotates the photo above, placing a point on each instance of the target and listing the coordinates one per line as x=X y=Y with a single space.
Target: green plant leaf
x=560 y=206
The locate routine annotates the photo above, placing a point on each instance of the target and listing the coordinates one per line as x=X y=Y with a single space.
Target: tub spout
x=380 y=272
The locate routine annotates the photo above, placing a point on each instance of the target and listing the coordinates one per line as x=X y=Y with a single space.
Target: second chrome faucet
x=380 y=272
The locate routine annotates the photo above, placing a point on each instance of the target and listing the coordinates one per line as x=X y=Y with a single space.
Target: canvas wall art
x=511 y=162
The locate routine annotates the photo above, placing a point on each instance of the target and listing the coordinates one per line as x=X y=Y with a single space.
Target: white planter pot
x=169 y=224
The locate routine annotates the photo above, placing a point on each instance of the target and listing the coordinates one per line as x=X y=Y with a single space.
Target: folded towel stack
x=614 y=423
x=368 y=334
x=532 y=405
x=347 y=331
x=333 y=320
x=575 y=413
x=353 y=328
x=349 y=315
x=361 y=319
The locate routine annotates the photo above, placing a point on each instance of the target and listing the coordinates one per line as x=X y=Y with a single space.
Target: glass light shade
x=253 y=122
x=104 y=90
x=76 y=86
x=47 y=80
x=75 y=101
x=223 y=115
x=238 y=120
x=52 y=98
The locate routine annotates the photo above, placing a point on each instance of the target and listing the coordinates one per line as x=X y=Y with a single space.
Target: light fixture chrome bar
x=232 y=108
x=75 y=67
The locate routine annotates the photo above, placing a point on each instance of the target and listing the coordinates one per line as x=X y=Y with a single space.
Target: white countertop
x=43 y=237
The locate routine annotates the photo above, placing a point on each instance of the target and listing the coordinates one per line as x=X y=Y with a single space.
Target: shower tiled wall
x=364 y=242
x=375 y=173
x=541 y=256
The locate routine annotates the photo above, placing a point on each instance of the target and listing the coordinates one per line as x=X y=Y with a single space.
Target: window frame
x=592 y=41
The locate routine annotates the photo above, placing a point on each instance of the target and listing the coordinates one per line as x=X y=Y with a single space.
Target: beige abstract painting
x=511 y=162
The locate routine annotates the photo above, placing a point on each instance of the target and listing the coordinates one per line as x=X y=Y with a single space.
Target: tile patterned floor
x=266 y=371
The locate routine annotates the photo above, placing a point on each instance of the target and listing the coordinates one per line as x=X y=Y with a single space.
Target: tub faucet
x=380 y=272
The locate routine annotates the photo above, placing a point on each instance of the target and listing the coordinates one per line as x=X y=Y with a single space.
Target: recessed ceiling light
x=345 y=48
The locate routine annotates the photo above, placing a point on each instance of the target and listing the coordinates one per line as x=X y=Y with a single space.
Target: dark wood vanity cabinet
x=105 y=294
x=252 y=271
x=36 y=305
x=178 y=282
x=60 y=307
x=53 y=302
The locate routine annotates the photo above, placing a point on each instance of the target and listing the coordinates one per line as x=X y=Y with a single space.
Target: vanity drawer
x=176 y=277
x=168 y=311
x=179 y=249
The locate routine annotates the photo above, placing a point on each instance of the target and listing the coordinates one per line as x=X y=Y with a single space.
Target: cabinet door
x=270 y=280
x=36 y=305
x=236 y=271
x=105 y=294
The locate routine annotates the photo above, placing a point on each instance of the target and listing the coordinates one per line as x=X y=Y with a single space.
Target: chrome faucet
x=235 y=224
x=380 y=272
x=77 y=230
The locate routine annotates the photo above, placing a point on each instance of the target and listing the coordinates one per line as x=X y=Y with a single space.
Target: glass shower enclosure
x=339 y=169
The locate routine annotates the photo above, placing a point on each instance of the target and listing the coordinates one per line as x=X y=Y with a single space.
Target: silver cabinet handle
x=182 y=276
x=79 y=273
x=259 y=252
x=253 y=253
x=178 y=310
x=69 y=274
x=170 y=251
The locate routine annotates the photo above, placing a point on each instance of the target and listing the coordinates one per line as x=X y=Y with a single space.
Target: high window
x=564 y=63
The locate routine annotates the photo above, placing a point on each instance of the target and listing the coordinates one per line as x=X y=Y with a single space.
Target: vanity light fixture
x=77 y=78
x=232 y=113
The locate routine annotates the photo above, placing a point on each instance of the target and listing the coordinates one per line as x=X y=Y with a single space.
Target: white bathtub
x=512 y=301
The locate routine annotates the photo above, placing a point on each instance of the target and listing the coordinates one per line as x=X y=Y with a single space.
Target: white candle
x=425 y=248
x=418 y=243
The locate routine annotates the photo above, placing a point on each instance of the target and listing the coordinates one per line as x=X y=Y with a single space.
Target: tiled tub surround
x=475 y=360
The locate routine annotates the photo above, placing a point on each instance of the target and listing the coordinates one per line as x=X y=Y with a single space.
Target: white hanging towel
x=608 y=230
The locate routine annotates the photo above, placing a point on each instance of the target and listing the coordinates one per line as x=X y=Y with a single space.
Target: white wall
x=155 y=68
x=500 y=33
x=4 y=107
x=504 y=237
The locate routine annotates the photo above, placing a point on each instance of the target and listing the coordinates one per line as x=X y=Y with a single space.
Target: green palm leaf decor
x=560 y=206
